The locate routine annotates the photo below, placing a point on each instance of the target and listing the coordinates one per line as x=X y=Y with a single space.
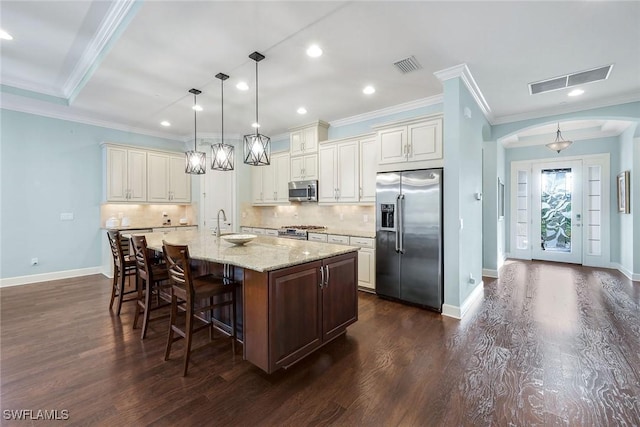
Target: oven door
x=303 y=191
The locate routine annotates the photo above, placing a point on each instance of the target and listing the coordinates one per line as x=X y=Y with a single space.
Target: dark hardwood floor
x=548 y=345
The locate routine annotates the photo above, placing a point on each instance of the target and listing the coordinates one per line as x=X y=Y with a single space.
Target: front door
x=556 y=209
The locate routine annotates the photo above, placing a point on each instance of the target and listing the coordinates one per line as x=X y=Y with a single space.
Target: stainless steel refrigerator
x=409 y=237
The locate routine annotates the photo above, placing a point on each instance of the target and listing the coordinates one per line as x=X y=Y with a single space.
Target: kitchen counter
x=130 y=228
x=297 y=296
x=262 y=254
x=348 y=232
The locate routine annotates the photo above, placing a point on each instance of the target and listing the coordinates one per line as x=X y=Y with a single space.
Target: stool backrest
x=116 y=247
x=178 y=260
x=141 y=254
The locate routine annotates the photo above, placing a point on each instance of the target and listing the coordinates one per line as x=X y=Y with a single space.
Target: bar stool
x=123 y=266
x=192 y=291
x=156 y=280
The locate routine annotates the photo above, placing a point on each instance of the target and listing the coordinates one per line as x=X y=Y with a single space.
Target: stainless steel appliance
x=303 y=191
x=409 y=237
x=298 y=232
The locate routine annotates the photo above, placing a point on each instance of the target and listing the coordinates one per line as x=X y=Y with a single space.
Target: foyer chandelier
x=560 y=143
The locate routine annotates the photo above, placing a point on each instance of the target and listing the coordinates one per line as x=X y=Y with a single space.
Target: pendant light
x=560 y=143
x=221 y=153
x=196 y=160
x=257 y=147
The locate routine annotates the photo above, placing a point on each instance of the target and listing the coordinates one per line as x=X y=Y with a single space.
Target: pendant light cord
x=195 y=124
x=257 y=122
x=222 y=109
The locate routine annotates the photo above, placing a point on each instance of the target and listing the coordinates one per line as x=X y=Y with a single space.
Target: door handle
x=397 y=226
x=400 y=223
x=321 y=276
x=326 y=283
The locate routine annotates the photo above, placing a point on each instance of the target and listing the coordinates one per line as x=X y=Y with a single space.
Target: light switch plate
x=66 y=216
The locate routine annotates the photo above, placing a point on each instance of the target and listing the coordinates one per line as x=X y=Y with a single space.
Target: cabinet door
x=282 y=166
x=179 y=181
x=309 y=140
x=425 y=141
x=256 y=184
x=367 y=268
x=339 y=295
x=117 y=187
x=347 y=172
x=137 y=175
x=158 y=177
x=392 y=145
x=294 y=329
x=368 y=170
x=327 y=176
x=296 y=139
x=310 y=167
x=297 y=166
x=268 y=182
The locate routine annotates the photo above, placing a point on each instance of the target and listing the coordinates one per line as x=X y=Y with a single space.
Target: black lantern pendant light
x=221 y=153
x=257 y=147
x=196 y=160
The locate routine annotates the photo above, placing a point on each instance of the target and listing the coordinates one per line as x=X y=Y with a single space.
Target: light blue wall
x=463 y=142
x=626 y=230
x=635 y=202
x=359 y=128
x=51 y=166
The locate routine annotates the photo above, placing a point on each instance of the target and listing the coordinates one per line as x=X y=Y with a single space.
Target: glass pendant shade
x=560 y=143
x=222 y=157
x=221 y=153
x=196 y=161
x=257 y=147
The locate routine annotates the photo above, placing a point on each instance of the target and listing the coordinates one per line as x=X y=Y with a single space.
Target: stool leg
x=138 y=307
x=121 y=277
x=172 y=322
x=147 y=308
x=114 y=284
x=187 y=334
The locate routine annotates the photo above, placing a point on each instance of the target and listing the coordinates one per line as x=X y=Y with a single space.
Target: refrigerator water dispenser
x=387 y=214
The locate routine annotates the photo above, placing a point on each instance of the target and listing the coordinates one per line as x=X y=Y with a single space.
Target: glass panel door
x=557 y=212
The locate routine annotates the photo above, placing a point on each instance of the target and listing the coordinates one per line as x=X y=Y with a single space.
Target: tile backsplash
x=351 y=217
x=147 y=215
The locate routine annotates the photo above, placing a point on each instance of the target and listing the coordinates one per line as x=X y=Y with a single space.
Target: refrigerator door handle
x=397 y=226
x=400 y=230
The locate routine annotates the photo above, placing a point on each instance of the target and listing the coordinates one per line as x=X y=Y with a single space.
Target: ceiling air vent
x=408 y=65
x=569 y=80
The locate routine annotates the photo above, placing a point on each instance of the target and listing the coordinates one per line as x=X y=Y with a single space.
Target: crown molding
x=33 y=91
x=116 y=15
x=463 y=72
x=569 y=108
x=400 y=108
x=23 y=105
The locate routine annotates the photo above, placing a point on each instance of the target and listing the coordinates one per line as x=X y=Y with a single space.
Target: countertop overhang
x=263 y=254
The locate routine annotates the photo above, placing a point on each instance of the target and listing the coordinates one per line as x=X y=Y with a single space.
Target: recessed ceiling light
x=242 y=86
x=255 y=125
x=576 y=92
x=302 y=110
x=368 y=90
x=165 y=123
x=5 y=36
x=197 y=107
x=314 y=51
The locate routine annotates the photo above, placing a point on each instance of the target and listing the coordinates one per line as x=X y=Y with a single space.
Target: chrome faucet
x=224 y=218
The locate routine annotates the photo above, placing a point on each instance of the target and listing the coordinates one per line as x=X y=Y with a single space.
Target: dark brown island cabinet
x=291 y=312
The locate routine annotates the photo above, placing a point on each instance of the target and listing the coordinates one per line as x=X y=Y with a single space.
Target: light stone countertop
x=330 y=230
x=136 y=227
x=261 y=254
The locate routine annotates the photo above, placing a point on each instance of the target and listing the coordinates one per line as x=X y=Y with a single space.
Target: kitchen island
x=297 y=295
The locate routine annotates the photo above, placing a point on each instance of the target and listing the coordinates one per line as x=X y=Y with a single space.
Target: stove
x=299 y=232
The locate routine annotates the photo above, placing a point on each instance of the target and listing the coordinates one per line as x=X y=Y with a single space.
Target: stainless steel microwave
x=303 y=191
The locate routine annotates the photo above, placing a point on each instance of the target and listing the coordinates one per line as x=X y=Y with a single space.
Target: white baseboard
x=459 y=312
x=628 y=273
x=45 y=277
x=486 y=272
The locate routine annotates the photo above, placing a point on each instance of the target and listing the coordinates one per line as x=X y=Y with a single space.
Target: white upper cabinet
x=339 y=172
x=304 y=168
x=410 y=144
x=368 y=170
x=139 y=176
x=270 y=184
x=166 y=179
x=126 y=175
x=304 y=139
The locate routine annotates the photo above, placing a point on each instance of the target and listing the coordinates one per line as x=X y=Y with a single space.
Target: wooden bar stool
x=193 y=291
x=123 y=266
x=156 y=282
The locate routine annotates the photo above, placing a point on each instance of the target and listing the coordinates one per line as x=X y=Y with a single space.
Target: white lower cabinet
x=366 y=262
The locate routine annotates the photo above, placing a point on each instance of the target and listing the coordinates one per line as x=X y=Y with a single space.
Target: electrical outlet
x=244 y=214
x=341 y=217
x=365 y=218
x=34 y=261
x=66 y=216
x=275 y=214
